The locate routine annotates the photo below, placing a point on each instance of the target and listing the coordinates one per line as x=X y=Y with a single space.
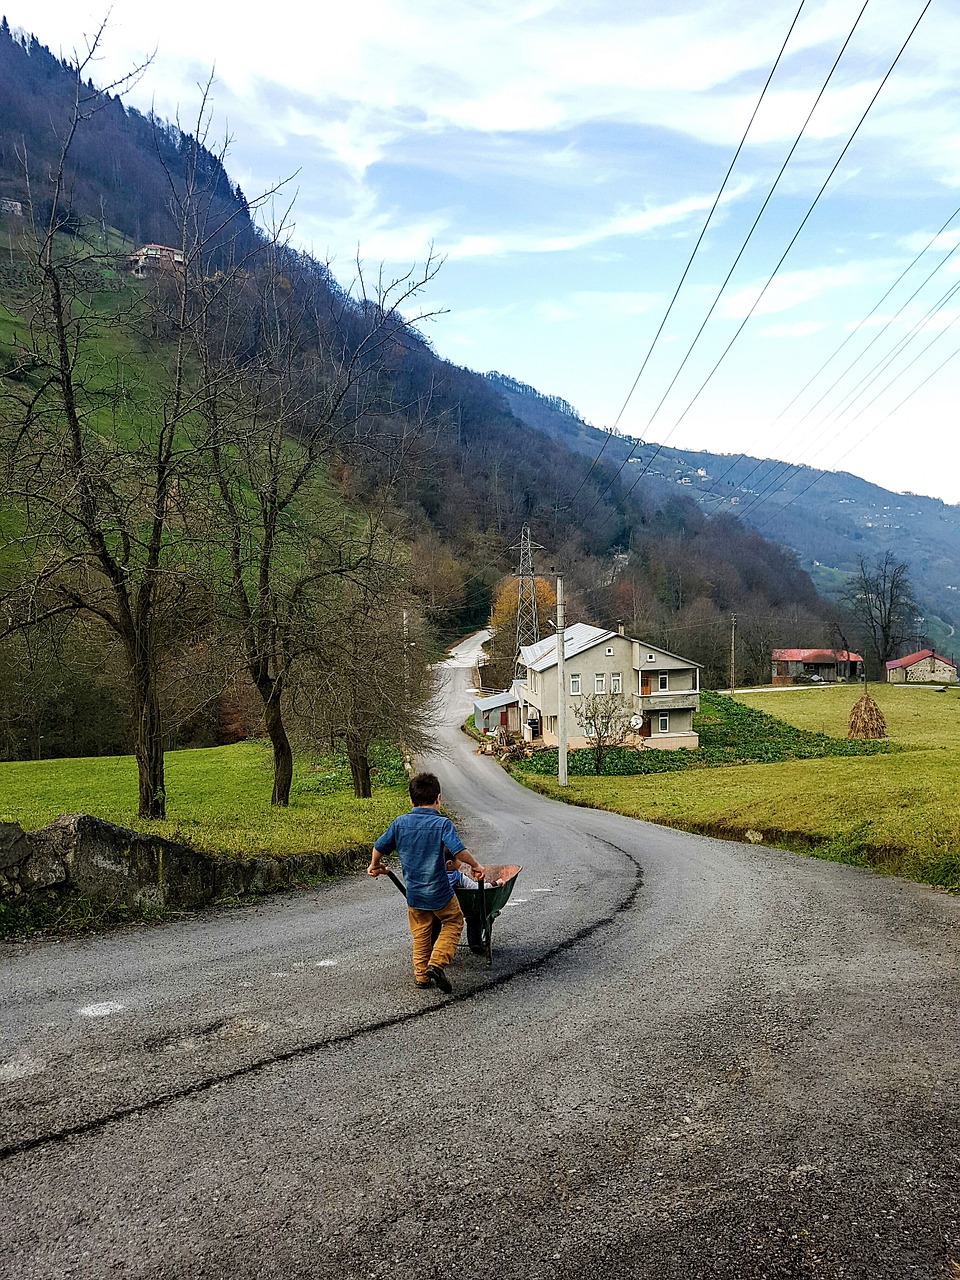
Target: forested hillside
x=124 y=169
x=277 y=491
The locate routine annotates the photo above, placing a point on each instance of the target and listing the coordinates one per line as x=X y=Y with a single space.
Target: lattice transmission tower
x=528 y=622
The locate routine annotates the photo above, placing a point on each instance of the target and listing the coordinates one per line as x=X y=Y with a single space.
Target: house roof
x=816 y=655
x=579 y=637
x=496 y=700
x=576 y=638
x=919 y=656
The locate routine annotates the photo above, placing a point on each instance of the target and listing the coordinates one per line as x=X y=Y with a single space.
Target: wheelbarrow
x=480 y=907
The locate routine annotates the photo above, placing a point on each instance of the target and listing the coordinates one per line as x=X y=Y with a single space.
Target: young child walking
x=425 y=841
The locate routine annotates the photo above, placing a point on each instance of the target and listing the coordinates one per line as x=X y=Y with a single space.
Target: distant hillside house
x=923 y=667
x=153 y=259
x=660 y=688
x=13 y=207
x=815 y=666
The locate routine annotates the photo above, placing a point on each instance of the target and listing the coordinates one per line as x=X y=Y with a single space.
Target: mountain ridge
x=828 y=518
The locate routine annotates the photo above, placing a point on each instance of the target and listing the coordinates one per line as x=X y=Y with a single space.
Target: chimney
x=620 y=630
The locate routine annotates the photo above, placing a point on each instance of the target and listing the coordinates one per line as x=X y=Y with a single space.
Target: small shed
x=922 y=667
x=815 y=666
x=498 y=711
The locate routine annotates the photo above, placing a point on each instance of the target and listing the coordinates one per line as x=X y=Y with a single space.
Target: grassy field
x=218 y=799
x=897 y=812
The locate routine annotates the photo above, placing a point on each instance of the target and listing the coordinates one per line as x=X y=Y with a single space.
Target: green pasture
x=897 y=812
x=218 y=799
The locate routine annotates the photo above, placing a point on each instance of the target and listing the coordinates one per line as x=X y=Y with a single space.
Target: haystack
x=866 y=719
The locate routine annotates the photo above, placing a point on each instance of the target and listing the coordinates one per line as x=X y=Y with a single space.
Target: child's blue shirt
x=423 y=840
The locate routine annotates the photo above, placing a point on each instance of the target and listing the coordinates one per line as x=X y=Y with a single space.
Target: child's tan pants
x=425 y=950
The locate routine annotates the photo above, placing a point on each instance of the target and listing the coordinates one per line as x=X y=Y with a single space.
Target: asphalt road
x=691 y=1059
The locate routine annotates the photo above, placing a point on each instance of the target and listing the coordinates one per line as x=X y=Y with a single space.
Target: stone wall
x=109 y=865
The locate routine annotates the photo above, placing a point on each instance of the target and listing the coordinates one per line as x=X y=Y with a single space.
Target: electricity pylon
x=528 y=622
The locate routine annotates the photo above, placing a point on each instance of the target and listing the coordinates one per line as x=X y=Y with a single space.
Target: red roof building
x=815 y=666
x=922 y=667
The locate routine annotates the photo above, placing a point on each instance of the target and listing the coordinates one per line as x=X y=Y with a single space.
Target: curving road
x=691 y=1059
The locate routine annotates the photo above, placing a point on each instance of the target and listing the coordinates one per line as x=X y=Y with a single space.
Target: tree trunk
x=282 y=752
x=148 y=749
x=359 y=767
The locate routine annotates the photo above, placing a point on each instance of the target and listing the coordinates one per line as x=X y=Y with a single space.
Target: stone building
x=922 y=667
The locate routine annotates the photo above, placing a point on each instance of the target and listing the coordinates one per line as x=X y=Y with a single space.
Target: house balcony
x=681 y=700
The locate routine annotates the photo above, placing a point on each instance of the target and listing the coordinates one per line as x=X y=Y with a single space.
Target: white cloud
x=802 y=329
x=793 y=288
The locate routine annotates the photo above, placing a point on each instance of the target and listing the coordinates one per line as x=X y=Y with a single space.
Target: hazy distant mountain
x=828 y=518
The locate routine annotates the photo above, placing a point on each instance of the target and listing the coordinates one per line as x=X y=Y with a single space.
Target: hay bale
x=866 y=719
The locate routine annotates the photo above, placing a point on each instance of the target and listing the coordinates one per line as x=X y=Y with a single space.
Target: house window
x=600 y=683
x=551 y=724
x=664 y=722
x=616 y=682
x=609 y=652
x=575 y=685
x=664 y=682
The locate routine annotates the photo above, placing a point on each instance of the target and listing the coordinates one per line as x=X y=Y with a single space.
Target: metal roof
x=579 y=637
x=912 y=658
x=576 y=638
x=815 y=655
x=496 y=700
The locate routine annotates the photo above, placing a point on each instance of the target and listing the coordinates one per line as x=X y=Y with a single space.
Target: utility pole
x=407 y=758
x=561 y=690
x=733 y=652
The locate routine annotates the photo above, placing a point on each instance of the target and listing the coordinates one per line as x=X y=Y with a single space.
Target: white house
x=660 y=688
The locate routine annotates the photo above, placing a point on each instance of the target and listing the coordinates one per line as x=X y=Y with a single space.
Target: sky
x=561 y=161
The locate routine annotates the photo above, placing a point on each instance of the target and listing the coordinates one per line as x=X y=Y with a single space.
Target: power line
x=783 y=256
x=864 y=385
x=696 y=247
x=866 y=435
x=829 y=360
x=736 y=260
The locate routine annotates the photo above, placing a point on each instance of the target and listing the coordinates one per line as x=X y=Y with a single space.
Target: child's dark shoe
x=439 y=978
x=427 y=982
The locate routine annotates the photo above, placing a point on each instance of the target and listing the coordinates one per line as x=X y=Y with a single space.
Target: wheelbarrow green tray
x=482 y=905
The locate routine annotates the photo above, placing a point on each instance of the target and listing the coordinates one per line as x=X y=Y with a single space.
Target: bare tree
x=369 y=677
x=100 y=480
x=880 y=597
x=294 y=374
x=605 y=720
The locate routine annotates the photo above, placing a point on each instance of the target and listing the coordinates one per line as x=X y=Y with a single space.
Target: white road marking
x=100 y=1010
x=325 y=964
x=538 y=890
x=517 y=902
x=19 y=1069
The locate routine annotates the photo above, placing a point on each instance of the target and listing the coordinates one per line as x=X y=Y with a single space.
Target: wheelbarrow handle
x=397 y=881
